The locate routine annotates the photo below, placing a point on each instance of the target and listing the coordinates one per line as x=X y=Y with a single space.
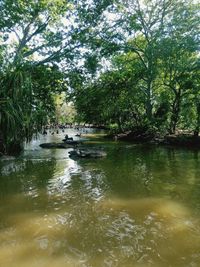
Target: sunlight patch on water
x=144 y=206
x=161 y=230
x=63 y=173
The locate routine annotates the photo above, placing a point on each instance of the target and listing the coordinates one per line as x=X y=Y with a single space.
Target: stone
x=55 y=145
x=87 y=153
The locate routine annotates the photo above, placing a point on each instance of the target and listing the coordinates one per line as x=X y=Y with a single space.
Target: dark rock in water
x=67 y=138
x=55 y=145
x=87 y=153
x=70 y=142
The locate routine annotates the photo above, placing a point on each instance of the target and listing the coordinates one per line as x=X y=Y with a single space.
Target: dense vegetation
x=124 y=64
x=153 y=79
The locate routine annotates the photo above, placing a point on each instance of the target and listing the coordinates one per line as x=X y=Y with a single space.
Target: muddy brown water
x=137 y=207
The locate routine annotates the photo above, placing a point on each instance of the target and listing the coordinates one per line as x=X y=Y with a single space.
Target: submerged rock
x=87 y=153
x=56 y=145
x=7 y=158
x=71 y=142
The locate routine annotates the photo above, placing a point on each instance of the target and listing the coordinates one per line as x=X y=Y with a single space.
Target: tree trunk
x=119 y=122
x=12 y=148
x=175 y=112
x=197 y=128
x=149 y=106
x=2 y=144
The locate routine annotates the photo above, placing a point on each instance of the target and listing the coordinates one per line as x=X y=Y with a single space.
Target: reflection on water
x=138 y=207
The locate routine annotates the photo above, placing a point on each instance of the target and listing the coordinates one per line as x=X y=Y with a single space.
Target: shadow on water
x=137 y=207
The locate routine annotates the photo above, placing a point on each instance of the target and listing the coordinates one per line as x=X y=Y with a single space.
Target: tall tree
x=179 y=55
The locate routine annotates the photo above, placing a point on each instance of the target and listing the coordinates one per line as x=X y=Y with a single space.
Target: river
x=137 y=207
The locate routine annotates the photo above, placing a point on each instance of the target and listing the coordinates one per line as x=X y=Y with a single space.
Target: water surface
x=138 y=207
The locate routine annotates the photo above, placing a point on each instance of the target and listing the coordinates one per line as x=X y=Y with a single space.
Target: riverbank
x=139 y=136
x=176 y=140
x=182 y=140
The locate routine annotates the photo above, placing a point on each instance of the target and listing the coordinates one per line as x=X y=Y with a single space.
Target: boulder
x=86 y=153
x=55 y=145
x=70 y=142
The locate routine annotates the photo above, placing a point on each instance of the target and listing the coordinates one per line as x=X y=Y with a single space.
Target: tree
x=27 y=102
x=179 y=55
x=113 y=98
x=144 y=26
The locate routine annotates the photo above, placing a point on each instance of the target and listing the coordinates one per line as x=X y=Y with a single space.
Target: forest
x=129 y=65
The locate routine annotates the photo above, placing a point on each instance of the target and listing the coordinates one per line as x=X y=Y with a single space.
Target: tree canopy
x=152 y=72
x=124 y=64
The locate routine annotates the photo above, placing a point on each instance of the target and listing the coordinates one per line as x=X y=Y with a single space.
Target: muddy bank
x=189 y=141
x=176 y=140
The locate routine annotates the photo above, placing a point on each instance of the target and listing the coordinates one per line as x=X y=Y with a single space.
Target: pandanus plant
x=16 y=93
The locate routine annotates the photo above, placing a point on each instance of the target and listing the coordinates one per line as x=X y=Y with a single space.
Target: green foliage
x=35 y=36
x=27 y=101
x=153 y=78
